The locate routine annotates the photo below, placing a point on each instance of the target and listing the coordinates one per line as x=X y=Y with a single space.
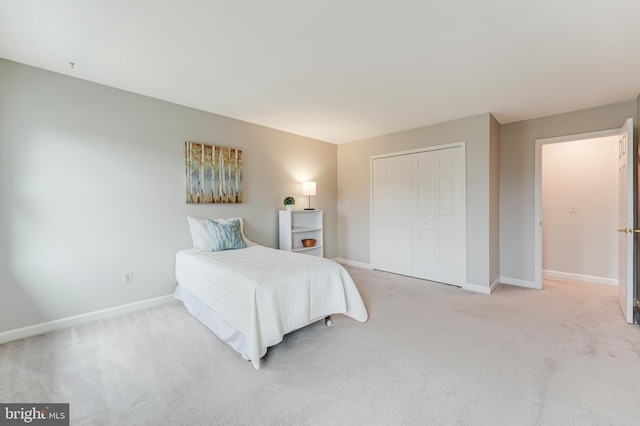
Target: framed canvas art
x=213 y=174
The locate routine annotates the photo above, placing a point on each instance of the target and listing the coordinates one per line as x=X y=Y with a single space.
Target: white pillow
x=200 y=232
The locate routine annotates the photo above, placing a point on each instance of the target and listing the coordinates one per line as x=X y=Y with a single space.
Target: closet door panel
x=423 y=254
x=449 y=228
x=423 y=244
x=417 y=216
x=391 y=215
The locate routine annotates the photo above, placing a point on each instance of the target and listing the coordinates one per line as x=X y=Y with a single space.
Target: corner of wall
x=494 y=199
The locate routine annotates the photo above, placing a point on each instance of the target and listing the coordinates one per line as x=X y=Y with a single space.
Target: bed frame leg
x=328 y=321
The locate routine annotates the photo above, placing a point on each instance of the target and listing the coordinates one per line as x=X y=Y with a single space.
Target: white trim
x=45 y=327
x=477 y=288
x=579 y=278
x=520 y=283
x=414 y=151
x=538 y=192
x=580 y=136
x=463 y=145
x=353 y=263
x=482 y=289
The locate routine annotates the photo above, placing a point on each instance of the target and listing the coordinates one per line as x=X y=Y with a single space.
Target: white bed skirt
x=214 y=321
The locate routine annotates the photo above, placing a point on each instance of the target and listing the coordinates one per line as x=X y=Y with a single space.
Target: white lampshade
x=308 y=188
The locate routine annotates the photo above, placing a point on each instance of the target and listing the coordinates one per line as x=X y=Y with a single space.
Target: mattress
x=265 y=293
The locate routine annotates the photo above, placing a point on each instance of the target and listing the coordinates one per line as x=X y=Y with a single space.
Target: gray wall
x=354 y=188
x=91 y=180
x=517 y=179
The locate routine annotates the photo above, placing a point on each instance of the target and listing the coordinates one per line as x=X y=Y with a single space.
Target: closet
x=418 y=213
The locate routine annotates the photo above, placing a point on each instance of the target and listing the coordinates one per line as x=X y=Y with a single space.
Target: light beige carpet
x=429 y=354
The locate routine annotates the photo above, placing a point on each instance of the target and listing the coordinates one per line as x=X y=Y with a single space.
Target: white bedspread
x=266 y=293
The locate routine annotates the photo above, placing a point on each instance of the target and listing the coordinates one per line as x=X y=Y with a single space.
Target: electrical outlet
x=127 y=277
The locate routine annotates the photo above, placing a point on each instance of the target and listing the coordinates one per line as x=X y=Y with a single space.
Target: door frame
x=463 y=220
x=537 y=223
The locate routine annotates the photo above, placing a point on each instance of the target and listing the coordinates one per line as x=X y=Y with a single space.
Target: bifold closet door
x=391 y=216
x=437 y=229
x=417 y=215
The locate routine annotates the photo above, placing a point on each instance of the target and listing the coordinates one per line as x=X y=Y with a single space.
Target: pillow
x=200 y=232
x=225 y=235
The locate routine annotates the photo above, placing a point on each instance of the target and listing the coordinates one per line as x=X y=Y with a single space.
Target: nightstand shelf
x=297 y=225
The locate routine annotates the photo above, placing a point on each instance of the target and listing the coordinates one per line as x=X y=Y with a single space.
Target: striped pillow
x=225 y=236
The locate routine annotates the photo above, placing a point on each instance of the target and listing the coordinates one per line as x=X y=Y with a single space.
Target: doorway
x=574 y=212
x=579 y=201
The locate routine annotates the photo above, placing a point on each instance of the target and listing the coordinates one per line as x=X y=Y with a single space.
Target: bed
x=250 y=296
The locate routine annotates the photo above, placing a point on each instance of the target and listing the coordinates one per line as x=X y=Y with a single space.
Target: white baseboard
x=477 y=288
x=353 y=263
x=518 y=282
x=45 y=327
x=579 y=278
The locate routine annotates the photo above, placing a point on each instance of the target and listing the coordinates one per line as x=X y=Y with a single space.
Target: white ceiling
x=341 y=70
